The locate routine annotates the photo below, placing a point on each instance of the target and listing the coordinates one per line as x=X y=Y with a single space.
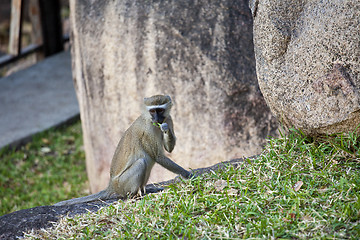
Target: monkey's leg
x=132 y=179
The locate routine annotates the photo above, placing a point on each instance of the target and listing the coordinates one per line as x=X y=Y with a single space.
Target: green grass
x=49 y=169
x=256 y=200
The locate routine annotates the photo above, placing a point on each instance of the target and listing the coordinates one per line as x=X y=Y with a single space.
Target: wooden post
x=35 y=18
x=15 y=27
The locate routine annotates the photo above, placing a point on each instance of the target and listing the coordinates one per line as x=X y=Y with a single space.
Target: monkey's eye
x=152 y=111
x=160 y=110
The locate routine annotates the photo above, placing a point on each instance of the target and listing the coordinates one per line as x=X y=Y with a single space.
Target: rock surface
x=198 y=52
x=13 y=225
x=308 y=62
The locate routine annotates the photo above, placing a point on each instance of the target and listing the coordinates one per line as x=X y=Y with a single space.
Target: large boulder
x=308 y=62
x=198 y=52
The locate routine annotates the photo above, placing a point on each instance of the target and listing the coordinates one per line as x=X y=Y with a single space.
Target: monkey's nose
x=156 y=118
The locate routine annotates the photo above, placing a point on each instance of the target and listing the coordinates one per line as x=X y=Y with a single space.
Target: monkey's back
x=140 y=140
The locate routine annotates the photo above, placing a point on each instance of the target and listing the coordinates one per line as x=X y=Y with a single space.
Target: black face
x=157 y=115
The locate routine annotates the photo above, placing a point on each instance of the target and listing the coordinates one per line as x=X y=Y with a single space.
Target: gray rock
x=198 y=52
x=308 y=65
x=13 y=225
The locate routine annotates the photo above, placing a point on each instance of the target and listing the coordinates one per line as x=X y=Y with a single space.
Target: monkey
x=139 y=149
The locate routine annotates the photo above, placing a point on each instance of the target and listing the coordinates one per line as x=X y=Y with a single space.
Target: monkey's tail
x=102 y=195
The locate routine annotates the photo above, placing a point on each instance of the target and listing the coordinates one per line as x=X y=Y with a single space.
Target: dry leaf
x=322 y=190
x=69 y=139
x=232 y=191
x=45 y=150
x=285 y=220
x=220 y=185
x=297 y=186
x=307 y=218
x=67 y=187
x=290 y=219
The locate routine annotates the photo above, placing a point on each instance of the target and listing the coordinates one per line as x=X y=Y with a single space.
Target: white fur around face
x=164 y=106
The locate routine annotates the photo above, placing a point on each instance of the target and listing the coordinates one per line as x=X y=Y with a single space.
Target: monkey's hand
x=164 y=127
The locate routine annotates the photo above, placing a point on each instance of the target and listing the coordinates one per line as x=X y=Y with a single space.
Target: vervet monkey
x=138 y=150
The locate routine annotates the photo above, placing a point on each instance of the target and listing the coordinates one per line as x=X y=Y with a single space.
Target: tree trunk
x=198 y=52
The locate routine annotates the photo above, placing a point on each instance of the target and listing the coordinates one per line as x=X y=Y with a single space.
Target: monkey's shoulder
x=143 y=134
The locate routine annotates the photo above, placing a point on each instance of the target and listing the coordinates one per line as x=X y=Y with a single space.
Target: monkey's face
x=157 y=115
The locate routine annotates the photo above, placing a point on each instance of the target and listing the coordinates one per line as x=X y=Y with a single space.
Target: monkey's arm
x=169 y=136
x=173 y=167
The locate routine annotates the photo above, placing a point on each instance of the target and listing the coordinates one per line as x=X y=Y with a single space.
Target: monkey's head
x=158 y=107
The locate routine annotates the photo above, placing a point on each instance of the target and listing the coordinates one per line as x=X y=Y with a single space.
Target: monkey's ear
x=168 y=97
